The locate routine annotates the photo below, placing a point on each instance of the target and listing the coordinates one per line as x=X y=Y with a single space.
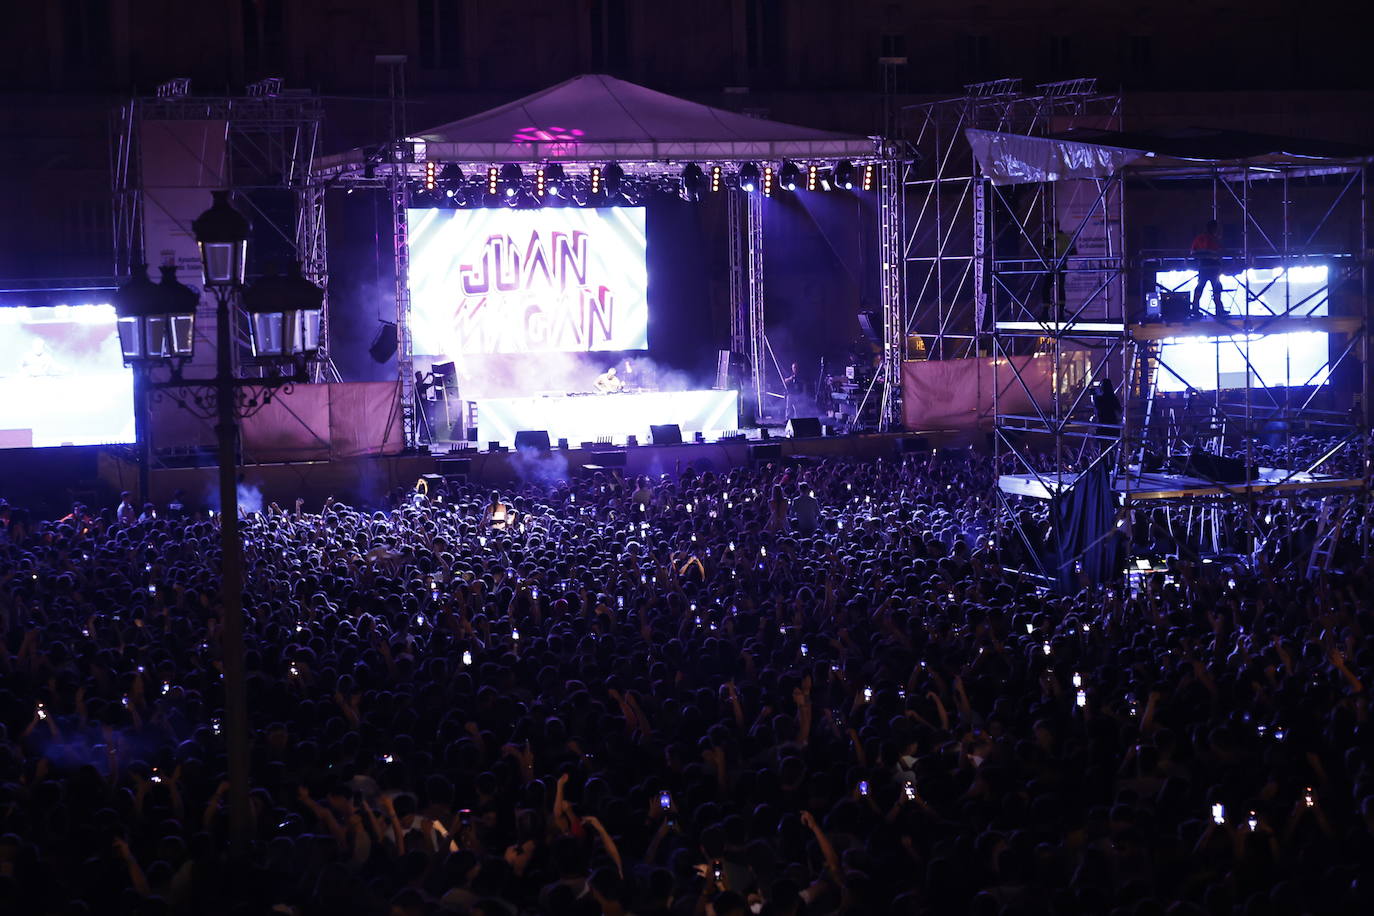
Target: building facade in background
x=64 y=64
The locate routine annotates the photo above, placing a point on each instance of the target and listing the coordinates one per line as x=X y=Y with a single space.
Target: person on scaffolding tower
x=1205 y=254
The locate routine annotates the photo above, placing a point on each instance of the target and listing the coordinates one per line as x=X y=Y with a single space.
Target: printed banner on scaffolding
x=1092 y=208
x=182 y=162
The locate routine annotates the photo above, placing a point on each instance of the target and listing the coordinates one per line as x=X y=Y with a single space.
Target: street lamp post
x=155 y=330
x=155 y=323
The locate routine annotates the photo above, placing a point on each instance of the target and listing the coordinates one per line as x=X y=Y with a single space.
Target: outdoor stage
x=592 y=418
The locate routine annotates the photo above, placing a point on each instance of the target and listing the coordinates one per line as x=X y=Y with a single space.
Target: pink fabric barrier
x=957 y=393
x=291 y=427
x=311 y=423
x=365 y=419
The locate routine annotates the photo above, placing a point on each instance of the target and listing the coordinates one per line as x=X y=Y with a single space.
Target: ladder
x=1146 y=382
x=1329 y=525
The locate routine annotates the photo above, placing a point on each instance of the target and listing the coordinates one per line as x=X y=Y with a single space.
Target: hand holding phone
x=1219 y=814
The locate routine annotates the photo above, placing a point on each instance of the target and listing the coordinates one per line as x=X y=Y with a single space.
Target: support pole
x=893 y=265
x=143 y=432
x=753 y=225
x=231 y=584
x=735 y=205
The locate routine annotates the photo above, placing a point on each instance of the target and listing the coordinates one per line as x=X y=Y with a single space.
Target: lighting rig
x=447 y=186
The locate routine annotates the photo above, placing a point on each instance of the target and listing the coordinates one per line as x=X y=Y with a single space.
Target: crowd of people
x=834 y=687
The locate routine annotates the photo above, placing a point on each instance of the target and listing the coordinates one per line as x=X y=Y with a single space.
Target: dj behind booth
x=620 y=402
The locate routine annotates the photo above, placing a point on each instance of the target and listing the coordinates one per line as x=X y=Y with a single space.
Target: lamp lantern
x=222 y=233
x=284 y=316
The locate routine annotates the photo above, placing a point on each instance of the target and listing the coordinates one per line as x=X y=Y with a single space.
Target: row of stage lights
x=447 y=186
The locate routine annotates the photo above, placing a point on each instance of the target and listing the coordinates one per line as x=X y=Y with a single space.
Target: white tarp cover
x=597 y=118
x=1020 y=159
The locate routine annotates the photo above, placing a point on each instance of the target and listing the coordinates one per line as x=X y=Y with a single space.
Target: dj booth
x=590 y=417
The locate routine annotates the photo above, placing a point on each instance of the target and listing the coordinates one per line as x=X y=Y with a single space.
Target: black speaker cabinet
x=533 y=439
x=667 y=434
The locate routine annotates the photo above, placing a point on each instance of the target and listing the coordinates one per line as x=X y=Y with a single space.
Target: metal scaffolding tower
x=945 y=235
x=1218 y=425
x=271 y=140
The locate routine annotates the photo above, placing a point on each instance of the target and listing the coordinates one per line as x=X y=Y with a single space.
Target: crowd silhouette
x=835 y=687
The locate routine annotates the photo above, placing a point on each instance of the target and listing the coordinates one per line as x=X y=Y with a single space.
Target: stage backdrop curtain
x=957 y=393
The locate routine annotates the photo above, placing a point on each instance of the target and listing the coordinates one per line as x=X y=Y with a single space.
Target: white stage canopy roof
x=597 y=119
x=1008 y=158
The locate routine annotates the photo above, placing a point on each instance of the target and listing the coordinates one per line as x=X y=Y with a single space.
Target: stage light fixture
x=768 y=181
x=539 y=186
x=554 y=179
x=717 y=178
x=431 y=176
x=693 y=180
x=870 y=176
x=493 y=178
x=749 y=177
x=844 y=175
x=790 y=176
x=450 y=187
x=596 y=180
x=813 y=177
x=511 y=176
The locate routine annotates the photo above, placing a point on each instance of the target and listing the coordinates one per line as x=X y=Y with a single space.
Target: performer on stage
x=796 y=388
x=608 y=382
x=1206 y=255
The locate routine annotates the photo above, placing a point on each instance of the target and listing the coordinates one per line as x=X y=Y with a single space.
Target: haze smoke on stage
x=557 y=373
x=250 y=499
x=543 y=468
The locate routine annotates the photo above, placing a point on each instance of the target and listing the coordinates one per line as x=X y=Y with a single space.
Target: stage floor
x=1178 y=486
x=593 y=418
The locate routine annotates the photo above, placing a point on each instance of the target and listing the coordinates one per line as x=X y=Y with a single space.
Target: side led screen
x=1294 y=359
x=62 y=379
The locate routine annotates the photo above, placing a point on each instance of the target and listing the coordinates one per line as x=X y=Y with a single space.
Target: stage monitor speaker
x=1217 y=468
x=666 y=434
x=614 y=459
x=804 y=428
x=383 y=345
x=765 y=452
x=1175 y=307
x=532 y=439
x=454 y=467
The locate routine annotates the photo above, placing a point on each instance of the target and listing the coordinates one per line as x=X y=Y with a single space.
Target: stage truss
x=1108 y=333
x=271 y=142
x=400 y=168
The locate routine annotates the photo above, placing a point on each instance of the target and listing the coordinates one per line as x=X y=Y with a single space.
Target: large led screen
x=1298 y=358
x=62 y=379
x=489 y=281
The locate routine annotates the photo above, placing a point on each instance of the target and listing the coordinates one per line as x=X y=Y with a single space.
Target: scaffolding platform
x=1156 y=485
x=1061 y=328
x=1252 y=324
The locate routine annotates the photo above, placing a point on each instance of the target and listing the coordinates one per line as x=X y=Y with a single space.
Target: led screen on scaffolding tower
x=491 y=281
x=62 y=378
x=1298 y=358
